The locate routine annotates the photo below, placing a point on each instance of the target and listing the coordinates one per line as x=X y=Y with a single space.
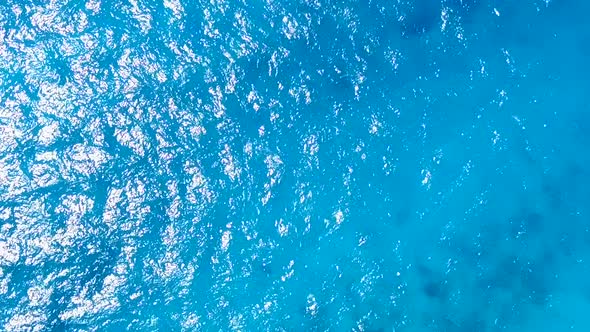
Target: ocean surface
x=295 y=165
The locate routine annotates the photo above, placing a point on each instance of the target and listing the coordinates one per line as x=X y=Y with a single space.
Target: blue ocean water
x=307 y=165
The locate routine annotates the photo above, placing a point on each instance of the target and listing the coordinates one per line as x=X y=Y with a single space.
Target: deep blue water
x=294 y=165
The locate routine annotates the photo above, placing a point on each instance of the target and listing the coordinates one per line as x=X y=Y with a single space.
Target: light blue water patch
x=294 y=165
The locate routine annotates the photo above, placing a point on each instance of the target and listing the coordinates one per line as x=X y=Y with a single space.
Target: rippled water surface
x=294 y=165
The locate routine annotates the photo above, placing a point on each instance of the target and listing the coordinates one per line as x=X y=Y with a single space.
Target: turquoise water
x=322 y=165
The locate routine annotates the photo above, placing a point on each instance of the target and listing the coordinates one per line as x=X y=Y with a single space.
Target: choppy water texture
x=296 y=165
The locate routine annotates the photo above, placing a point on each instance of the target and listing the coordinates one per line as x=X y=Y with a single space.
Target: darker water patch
x=340 y=84
x=533 y=222
x=402 y=216
x=434 y=289
x=264 y=268
x=421 y=19
x=553 y=193
x=433 y=286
